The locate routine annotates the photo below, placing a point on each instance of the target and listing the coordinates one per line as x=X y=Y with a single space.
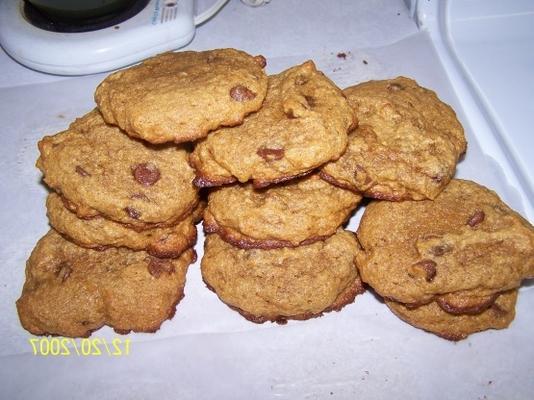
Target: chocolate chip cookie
x=466 y=241
x=100 y=233
x=99 y=170
x=72 y=291
x=432 y=318
x=286 y=283
x=407 y=144
x=303 y=124
x=180 y=97
x=297 y=212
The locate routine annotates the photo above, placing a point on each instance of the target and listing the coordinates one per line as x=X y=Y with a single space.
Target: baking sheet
x=210 y=351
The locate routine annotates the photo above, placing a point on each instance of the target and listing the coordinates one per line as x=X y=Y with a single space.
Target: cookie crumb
x=342 y=56
x=365 y=62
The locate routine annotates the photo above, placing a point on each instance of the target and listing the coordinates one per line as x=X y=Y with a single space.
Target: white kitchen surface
x=208 y=351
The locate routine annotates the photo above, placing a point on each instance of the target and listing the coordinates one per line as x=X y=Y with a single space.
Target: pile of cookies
x=446 y=255
x=451 y=266
x=285 y=160
x=275 y=249
x=123 y=210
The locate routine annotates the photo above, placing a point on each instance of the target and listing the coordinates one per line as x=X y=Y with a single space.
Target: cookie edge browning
x=246 y=242
x=202 y=181
x=451 y=336
x=152 y=247
x=347 y=296
x=198 y=215
x=368 y=193
x=474 y=309
x=263 y=183
x=470 y=310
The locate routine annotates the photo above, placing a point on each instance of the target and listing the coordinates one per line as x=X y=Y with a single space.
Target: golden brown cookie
x=297 y=212
x=100 y=233
x=303 y=124
x=466 y=240
x=101 y=171
x=406 y=147
x=432 y=318
x=286 y=283
x=72 y=291
x=182 y=96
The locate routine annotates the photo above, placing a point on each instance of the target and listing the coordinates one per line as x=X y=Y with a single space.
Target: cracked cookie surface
x=285 y=283
x=100 y=233
x=99 y=170
x=466 y=242
x=72 y=291
x=180 y=97
x=406 y=147
x=303 y=124
x=432 y=318
x=297 y=212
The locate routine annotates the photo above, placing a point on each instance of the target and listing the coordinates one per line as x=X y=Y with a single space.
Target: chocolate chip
x=157 y=266
x=132 y=212
x=146 y=174
x=261 y=61
x=476 y=218
x=440 y=250
x=425 y=268
x=81 y=171
x=63 y=271
x=270 y=154
x=394 y=87
x=242 y=93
